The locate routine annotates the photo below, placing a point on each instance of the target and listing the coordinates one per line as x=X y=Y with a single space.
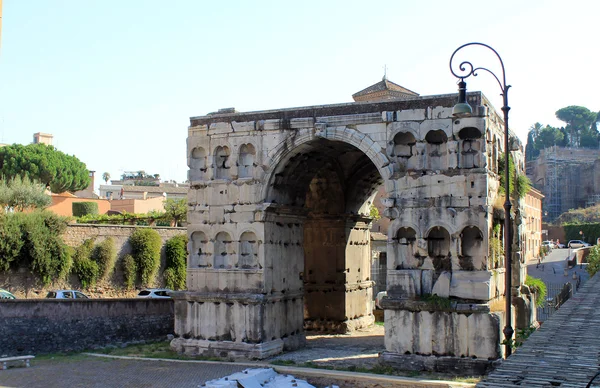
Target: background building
x=567 y=177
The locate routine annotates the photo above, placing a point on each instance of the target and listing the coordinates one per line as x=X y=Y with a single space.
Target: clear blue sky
x=115 y=81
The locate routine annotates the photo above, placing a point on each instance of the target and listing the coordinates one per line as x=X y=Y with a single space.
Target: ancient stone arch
x=291 y=247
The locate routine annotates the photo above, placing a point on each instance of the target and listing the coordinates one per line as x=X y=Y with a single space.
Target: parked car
x=155 y=293
x=66 y=294
x=6 y=295
x=378 y=298
x=578 y=244
x=549 y=244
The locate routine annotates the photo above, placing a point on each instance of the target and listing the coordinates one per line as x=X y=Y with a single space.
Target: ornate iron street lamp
x=463 y=109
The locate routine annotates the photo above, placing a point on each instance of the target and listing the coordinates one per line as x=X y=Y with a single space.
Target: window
x=79 y=295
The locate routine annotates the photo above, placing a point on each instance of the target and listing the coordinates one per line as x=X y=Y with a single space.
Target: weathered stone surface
x=441 y=287
x=314 y=174
x=75 y=325
x=471 y=285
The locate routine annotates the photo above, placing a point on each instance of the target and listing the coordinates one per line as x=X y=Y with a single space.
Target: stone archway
x=327 y=186
x=302 y=191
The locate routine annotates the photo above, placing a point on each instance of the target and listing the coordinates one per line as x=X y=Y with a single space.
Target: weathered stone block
x=471 y=285
x=441 y=287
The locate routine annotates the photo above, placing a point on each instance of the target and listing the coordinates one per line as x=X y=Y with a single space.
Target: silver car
x=578 y=244
x=155 y=293
x=66 y=294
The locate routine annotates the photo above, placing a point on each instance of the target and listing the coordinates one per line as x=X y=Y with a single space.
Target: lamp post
x=463 y=109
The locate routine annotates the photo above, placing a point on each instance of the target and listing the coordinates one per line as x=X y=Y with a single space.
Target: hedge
x=84 y=208
x=591 y=232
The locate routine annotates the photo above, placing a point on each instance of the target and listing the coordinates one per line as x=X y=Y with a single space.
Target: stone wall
x=24 y=285
x=48 y=326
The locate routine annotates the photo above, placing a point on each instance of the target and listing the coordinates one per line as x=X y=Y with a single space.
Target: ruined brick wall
x=24 y=285
x=48 y=326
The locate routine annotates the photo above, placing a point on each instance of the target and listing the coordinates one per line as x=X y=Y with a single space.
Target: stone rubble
x=259 y=378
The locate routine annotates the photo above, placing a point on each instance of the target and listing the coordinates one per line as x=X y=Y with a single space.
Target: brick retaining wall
x=48 y=326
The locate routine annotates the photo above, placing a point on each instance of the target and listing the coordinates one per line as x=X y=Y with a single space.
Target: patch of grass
x=284 y=362
x=380 y=323
x=159 y=349
x=381 y=369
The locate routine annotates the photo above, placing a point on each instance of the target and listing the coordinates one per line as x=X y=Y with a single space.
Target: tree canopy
x=581 y=130
x=22 y=194
x=45 y=164
x=176 y=210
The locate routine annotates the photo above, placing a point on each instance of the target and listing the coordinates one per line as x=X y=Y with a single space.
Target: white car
x=155 y=293
x=578 y=244
x=66 y=294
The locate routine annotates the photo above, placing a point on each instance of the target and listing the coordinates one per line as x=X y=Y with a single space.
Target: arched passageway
x=327 y=187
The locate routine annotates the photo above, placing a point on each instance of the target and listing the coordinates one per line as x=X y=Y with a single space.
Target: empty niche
x=248 y=257
x=223 y=250
x=246 y=161
x=438 y=248
x=404 y=143
x=436 y=148
x=471 y=247
x=199 y=257
x=470 y=139
x=407 y=238
x=198 y=164
x=222 y=163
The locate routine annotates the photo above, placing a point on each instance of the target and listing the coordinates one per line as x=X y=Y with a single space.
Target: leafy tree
x=176 y=210
x=105 y=177
x=548 y=137
x=531 y=152
x=22 y=194
x=45 y=164
x=578 y=119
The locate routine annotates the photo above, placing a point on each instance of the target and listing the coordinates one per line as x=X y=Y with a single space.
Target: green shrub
x=84 y=267
x=11 y=241
x=145 y=249
x=87 y=271
x=84 y=208
x=539 y=288
x=176 y=255
x=129 y=272
x=593 y=260
x=105 y=254
x=34 y=240
x=43 y=248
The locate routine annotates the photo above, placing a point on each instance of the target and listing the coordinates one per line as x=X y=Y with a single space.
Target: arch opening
x=325 y=190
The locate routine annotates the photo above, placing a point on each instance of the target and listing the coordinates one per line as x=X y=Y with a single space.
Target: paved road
x=552 y=268
x=91 y=372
